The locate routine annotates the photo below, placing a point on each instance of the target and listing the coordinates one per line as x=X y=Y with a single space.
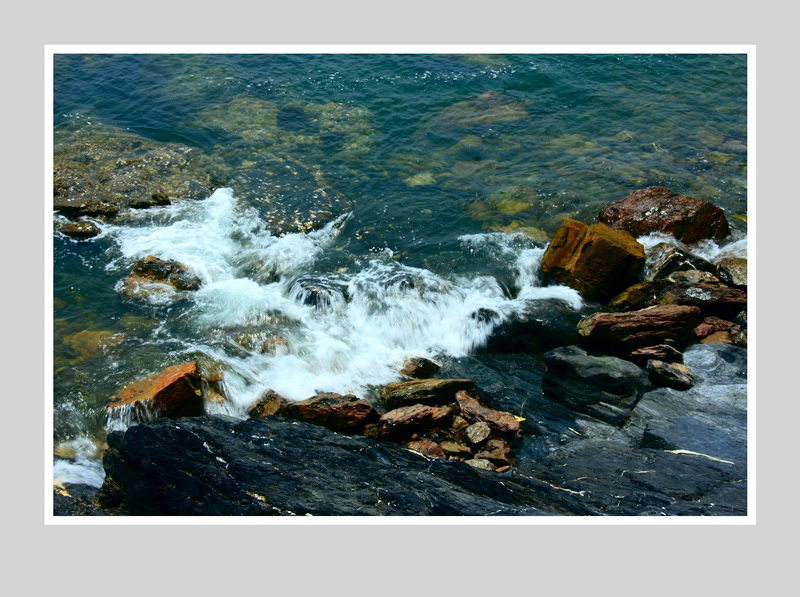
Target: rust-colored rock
x=427 y=447
x=624 y=332
x=657 y=209
x=497 y=452
x=711 y=325
x=597 y=260
x=638 y=296
x=345 y=413
x=498 y=420
x=172 y=392
x=423 y=391
x=721 y=338
x=269 y=404
x=455 y=450
x=416 y=417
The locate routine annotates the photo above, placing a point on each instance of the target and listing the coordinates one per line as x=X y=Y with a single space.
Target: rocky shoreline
x=638 y=407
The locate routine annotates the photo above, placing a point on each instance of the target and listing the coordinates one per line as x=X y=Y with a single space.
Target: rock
x=481 y=463
x=426 y=447
x=173 y=392
x=597 y=260
x=720 y=338
x=621 y=333
x=154 y=200
x=346 y=413
x=269 y=404
x=488 y=108
x=415 y=417
x=541 y=326
x=80 y=230
x=497 y=452
x=657 y=209
x=419 y=367
x=638 y=296
x=455 y=449
x=477 y=432
x=733 y=271
x=606 y=388
x=263 y=342
x=497 y=420
x=710 y=298
x=220 y=466
x=711 y=325
x=423 y=391
x=152 y=269
x=661 y=352
x=692 y=278
x=671 y=375
x=665 y=259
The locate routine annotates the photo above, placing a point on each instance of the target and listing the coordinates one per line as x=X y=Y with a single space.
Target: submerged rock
x=597 y=260
x=657 y=209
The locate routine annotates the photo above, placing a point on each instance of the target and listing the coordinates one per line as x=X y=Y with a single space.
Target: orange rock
x=172 y=392
x=597 y=261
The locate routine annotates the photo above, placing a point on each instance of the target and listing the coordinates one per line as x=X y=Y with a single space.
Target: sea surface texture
x=345 y=212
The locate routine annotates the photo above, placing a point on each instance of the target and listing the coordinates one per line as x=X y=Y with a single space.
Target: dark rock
x=336 y=412
x=607 y=388
x=620 y=333
x=497 y=420
x=543 y=325
x=76 y=499
x=406 y=420
x=657 y=209
x=269 y=404
x=661 y=352
x=154 y=200
x=597 y=260
x=218 y=466
x=423 y=391
x=671 y=375
x=172 y=392
x=80 y=230
x=711 y=299
x=668 y=258
x=419 y=367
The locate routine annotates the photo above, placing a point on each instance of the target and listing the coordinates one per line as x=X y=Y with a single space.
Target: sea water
x=430 y=184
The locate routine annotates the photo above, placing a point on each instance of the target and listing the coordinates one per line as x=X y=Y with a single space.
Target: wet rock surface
x=657 y=209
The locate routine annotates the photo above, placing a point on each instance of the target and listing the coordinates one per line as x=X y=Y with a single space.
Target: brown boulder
x=498 y=420
x=597 y=260
x=423 y=391
x=624 y=332
x=172 y=392
x=409 y=419
x=336 y=412
x=657 y=209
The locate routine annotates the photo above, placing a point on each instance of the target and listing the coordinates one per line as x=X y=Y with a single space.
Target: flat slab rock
x=277 y=467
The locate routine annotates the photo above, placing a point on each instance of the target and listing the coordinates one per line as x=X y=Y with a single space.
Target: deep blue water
x=432 y=153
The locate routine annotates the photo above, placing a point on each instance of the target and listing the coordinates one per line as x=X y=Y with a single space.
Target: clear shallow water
x=437 y=163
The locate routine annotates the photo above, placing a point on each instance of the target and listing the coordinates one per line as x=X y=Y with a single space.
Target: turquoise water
x=453 y=171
